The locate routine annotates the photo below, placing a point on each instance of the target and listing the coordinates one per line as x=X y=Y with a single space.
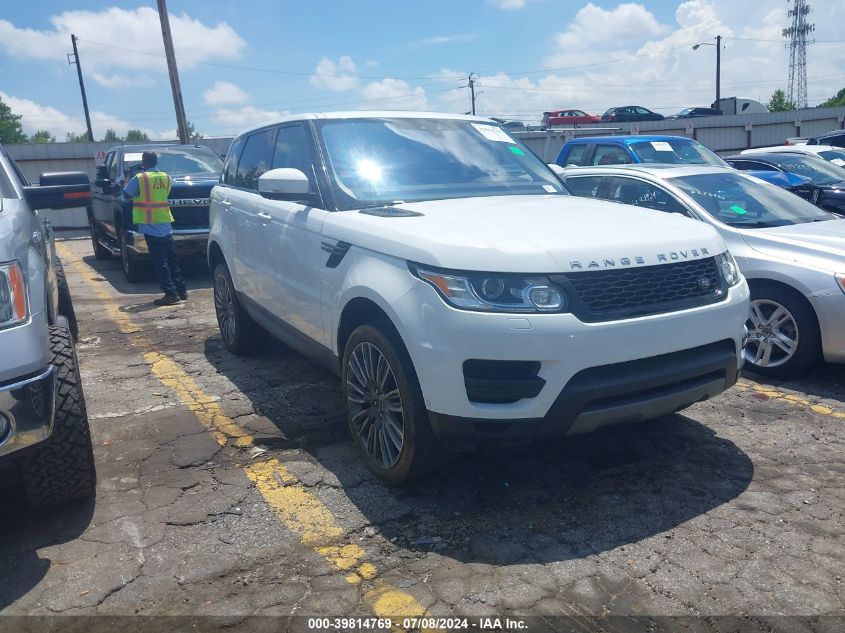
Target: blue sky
x=531 y=55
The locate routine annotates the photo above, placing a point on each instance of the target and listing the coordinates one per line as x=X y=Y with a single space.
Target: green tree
x=779 y=102
x=11 y=130
x=136 y=136
x=73 y=137
x=193 y=135
x=112 y=136
x=836 y=100
x=42 y=136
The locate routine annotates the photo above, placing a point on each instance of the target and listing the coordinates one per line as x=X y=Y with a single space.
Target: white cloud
x=233 y=120
x=41 y=117
x=118 y=80
x=224 y=93
x=337 y=76
x=393 y=94
x=509 y=5
x=134 y=29
x=439 y=40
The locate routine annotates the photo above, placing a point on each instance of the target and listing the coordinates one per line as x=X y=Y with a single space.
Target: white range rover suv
x=438 y=266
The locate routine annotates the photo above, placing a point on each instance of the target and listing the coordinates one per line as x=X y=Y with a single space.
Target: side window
x=640 y=110
x=583 y=186
x=643 y=194
x=111 y=166
x=293 y=149
x=230 y=169
x=255 y=159
x=610 y=155
x=576 y=155
x=759 y=166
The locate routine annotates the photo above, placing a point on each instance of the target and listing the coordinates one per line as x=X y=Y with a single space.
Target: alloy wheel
x=773 y=334
x=375 y=405
x=224 y=307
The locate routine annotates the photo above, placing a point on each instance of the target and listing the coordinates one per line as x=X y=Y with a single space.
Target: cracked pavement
x=733 y=507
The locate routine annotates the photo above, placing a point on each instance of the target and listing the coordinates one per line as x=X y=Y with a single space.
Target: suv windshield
x=677 y=152
x=177 y=161
x=738 y=201
x=382 y=161
x=818 y=170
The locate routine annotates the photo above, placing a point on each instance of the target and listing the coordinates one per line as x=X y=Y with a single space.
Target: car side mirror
x=104 y=184
x=284 y=183
x=102 y=172
x=59 y=190
x=559 y=171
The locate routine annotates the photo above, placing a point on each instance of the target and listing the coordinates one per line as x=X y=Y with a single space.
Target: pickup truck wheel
x=65 y=300
x=240 y=332
x=100 y=251
x=62 y=467
x=384 y=406
x=132 y=269
x=784 y=339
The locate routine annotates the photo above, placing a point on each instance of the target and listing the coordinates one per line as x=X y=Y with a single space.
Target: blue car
x=621 y=150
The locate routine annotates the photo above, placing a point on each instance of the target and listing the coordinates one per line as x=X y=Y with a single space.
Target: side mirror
x=104 y=184
x=59 y=190
x=102 y=172
x=284 y=183
x=559 y=171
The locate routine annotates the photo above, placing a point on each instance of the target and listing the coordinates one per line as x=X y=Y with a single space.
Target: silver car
x=791 y=252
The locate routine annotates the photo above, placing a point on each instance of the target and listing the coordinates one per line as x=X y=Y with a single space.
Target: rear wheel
x=66 y=301
x=62 y=468
x=784 y=339
x=133 y=270
x=100 y=251
x=384 y=406
x=240 y=332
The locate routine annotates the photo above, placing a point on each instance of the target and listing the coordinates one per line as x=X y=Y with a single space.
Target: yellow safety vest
x=150 y=205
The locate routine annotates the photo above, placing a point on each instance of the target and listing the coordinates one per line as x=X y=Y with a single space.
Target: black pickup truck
x=194 y=169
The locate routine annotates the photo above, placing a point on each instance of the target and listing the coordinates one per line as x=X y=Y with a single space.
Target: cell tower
x=797 y=34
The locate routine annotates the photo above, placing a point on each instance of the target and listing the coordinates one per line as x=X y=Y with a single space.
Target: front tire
x=784 y=339
x=66 y=301
x=240 y=332
x=62 y=468
x=133 y=270
x=384 y=406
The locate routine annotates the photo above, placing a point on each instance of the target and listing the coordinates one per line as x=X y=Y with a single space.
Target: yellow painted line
x=774 y=394
x=299 y=509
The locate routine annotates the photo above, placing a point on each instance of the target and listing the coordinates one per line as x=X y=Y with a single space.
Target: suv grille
x=607 y=295
x=190 y=217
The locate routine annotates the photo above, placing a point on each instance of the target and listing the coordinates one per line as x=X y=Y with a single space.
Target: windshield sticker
x=492 y=133
x=132 y=157
x=661 y=146
x=838 y=161
x=549 y=189
x=738 y=209
x=514 y=149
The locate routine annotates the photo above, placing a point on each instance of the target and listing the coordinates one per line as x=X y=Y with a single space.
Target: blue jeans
x=166 y=264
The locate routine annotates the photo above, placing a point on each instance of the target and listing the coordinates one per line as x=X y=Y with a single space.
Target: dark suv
x=194 y=169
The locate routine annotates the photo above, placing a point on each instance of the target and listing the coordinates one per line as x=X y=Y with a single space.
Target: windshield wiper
x=756 y=225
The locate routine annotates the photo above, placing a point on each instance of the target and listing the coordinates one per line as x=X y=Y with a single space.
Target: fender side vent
x=336 y=250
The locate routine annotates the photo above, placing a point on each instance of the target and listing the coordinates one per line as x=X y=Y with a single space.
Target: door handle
x=226 y=203
x=266 y=217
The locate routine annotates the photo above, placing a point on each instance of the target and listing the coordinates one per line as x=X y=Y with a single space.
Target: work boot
x=183 y=295
x=167 y=300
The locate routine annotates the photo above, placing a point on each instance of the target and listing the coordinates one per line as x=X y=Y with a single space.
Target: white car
x=835 y=155
x=441 y=269
x=791 y=252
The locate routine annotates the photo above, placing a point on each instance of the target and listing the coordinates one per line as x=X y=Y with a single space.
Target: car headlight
x=490 y=292
x=840 y=280
x=729 y=268
x=13 y=305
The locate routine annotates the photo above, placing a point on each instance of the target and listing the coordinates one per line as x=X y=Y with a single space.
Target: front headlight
x=493 y=292
x=13 y=305
x=729 y=268
x=840 y=280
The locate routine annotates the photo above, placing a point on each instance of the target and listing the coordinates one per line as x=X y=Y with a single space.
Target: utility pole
x=718 y=68
x=178 y=104
x=81 y=87
x=472 y=91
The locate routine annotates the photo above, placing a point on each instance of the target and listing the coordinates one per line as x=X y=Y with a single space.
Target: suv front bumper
x=27 y=408
x=188 y=242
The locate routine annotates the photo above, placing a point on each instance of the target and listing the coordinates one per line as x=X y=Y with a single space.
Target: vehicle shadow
x=826 y=380
x=194 y=270
x=531 y=503
x=24 y=531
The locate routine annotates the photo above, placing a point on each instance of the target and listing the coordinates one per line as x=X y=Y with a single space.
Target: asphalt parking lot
x=229 y=486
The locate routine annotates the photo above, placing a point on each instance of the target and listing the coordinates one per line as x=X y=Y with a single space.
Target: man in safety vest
x=149 y=191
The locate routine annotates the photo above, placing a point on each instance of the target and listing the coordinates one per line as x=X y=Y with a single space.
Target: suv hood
x=528 y=234
x=814 y=243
